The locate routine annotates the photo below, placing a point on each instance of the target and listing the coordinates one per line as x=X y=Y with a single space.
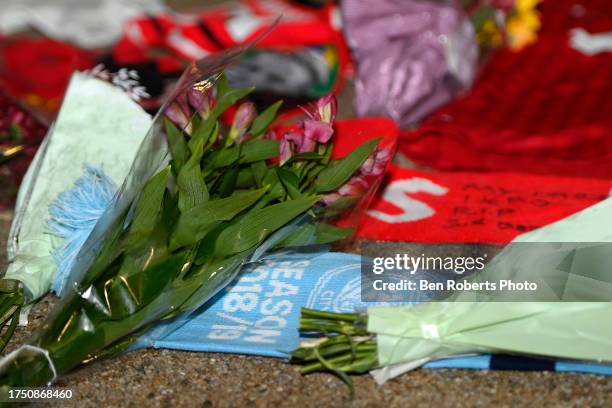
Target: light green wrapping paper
x=98 y=124
x=562 y=330
x=472 y=323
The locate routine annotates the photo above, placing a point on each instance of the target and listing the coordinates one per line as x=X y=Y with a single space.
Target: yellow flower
x=523 y=24
x=489 y=34
x=526 y=6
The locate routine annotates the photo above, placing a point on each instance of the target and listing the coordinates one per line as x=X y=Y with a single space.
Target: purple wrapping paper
x=412 y=56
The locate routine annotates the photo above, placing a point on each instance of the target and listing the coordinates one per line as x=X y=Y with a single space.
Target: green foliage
x=186 y=235
x=265 y=119
x=339 y=171
x=257 y=224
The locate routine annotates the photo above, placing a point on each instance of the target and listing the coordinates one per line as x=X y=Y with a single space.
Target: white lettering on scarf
x=412 y=209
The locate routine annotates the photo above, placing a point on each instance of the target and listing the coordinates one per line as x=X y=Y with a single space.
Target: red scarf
x=425 y=206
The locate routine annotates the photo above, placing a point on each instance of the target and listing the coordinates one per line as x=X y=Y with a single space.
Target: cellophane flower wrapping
x=206 y=195
x=568 y=261
x=558 y=314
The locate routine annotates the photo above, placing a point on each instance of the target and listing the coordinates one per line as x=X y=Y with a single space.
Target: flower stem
x=11 y=303
x=345 y=348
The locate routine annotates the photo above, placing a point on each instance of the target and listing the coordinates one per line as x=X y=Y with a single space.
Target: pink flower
x=200 y=100
x=376 y=164
x=317 y=131
x=325 y=109
x=355 y=186
x=243 y=119
x=295 y=142
x=179 y=113
x=329 y=199
x=285 y=150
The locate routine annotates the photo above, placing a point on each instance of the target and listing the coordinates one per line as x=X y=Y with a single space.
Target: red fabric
x=473 y=207
x=352 y=133
x=17 y=128
x=37 y=70
x=546 y=109
x=225 y=27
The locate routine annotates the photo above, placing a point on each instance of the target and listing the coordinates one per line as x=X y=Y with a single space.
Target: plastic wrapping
x=428 y=331
x=113 y=127
x=560 y=319
x=202 y=199
x=565 y=323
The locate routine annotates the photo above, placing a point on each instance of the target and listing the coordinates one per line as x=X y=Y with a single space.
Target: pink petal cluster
x=180 y=110
x=179 y=113
x=201 y=101
x=376 y=164
x=325 y=109
x=357 y=185
x=245 y=115
x=316 y=129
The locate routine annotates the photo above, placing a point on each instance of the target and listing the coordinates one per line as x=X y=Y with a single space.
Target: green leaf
x=339 y=171
x=195 y=223
x=248 y=152
x=481 y=15
x=149 y=206
x=263 y=121
x=191 y=186
x=224 y=157
x=258 y=150
x=177 y=144
x=201 y=133
x=230 y=97
x=227 y=182
x=309 y=156
x=311 y=174
x=192 y=189
x=214 y=276
x=290 y=181
x=221 y=85
x=15 y=133
x=252 y=228
x=225 y=99
x=109 y=251
x=127 y=294
x=206 y=247
x=274 y=185
x=314 y=234
x=259 y=172
x=246 y=179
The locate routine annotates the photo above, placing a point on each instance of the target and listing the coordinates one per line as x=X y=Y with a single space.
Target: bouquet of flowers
x=20 y=133
x=514 y=23
x=206 y=195
x=113 y=126
x=567 y=262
